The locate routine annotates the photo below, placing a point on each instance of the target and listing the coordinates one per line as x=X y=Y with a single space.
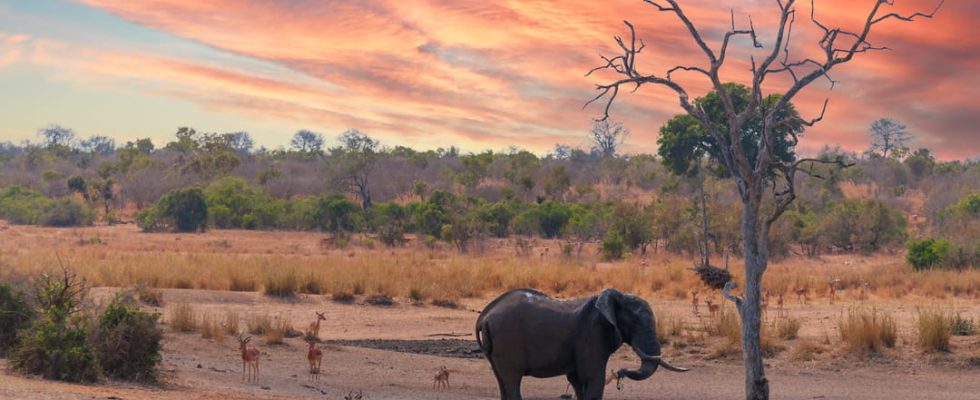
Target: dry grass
x=806 y=350
x=211 y=328
x=258 y=324
x=277 y=330
x=787 y=328
x=183 y=318
x=231 y=322
x=935 y=328
x=669 y=326
x=866 y=332
x=282 y=283
x=284 y=263
x=149 y=296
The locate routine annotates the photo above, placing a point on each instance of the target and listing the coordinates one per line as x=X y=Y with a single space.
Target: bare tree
x=760 y=177
x=607 y=136
x=888 y=136
x=307 y=142
x=355 y=161
x=57 y=136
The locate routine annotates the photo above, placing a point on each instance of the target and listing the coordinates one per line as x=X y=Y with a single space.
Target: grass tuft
x=935 y=327
x=867 y=332
x=282 y=283
x=184 y=318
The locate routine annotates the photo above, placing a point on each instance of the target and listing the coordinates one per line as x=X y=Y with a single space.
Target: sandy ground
x=196 y=368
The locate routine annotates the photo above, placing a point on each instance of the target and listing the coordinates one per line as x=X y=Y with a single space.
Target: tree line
x=628 y=202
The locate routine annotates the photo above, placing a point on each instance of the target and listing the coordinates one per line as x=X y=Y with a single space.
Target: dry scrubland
x=121 y=256
x=879 y=342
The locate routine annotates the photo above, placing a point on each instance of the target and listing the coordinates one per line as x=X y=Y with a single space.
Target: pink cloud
x=493 y=74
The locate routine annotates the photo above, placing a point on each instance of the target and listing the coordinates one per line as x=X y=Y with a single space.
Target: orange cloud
x=492 y=74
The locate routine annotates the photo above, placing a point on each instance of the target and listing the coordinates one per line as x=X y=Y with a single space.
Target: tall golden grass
x=866 y=332
x=286 y=262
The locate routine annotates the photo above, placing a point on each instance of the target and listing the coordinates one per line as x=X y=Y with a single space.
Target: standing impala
x=314 y=329
x=250 y=359
x=314 y=356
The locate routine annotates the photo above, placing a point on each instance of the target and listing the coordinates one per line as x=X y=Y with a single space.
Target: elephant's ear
x=606 y=304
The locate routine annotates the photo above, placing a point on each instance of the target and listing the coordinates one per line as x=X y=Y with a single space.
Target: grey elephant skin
x=526 y=333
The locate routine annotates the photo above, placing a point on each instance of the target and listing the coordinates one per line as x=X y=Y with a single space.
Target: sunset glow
x=434 y=73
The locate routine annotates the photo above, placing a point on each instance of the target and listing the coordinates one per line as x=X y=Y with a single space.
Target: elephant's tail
x=483 y=336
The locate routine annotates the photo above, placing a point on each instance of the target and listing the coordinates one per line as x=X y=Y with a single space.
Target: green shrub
x=21 y=206
x=184 y=210
x=926 y=253
x=55 y=345
x=127 y=342
x=66 y=212
x=15 y=314
x=336 y=214
x=56 y=350
x=613 y=246
x=221 y=217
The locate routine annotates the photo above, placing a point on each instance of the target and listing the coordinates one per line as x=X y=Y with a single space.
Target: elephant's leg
x=576 y=384
x=509 y=383
x=593 y=382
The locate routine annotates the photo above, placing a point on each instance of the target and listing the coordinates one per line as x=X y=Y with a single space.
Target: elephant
x=524 y=332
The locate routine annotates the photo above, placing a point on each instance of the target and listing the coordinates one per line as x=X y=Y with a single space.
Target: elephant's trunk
x=644 y=346
x=649 y=352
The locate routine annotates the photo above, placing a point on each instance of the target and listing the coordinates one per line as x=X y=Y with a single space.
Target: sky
x=437 y=73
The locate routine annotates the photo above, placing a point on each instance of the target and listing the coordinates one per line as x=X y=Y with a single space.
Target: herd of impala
x=314 y=355
x=834 y=286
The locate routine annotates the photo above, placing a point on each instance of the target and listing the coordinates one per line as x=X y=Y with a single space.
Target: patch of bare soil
x=454 y=348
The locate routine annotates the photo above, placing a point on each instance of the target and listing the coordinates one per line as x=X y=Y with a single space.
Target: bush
x=21 y=206
x=127 y=342
x=55 y=345
x=963 y=326
x=15 y=314
x=613 y=246
x=56 y=350
x=66 y=212
x=183 y=210
x=336 y=214
x=926 y=253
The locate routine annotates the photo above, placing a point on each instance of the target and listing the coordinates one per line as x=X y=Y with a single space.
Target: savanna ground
x=220 y=277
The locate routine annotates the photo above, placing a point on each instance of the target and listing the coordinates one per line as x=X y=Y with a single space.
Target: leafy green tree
x=476 y=167
x=633 y=223
x=520 y=170
x=557 y=183
x=77 y=184
x=336 y=214
x=184 y=210
x=583 y=225
x=684 y=139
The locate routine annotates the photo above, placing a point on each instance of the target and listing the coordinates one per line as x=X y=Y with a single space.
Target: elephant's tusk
x=663 y=363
